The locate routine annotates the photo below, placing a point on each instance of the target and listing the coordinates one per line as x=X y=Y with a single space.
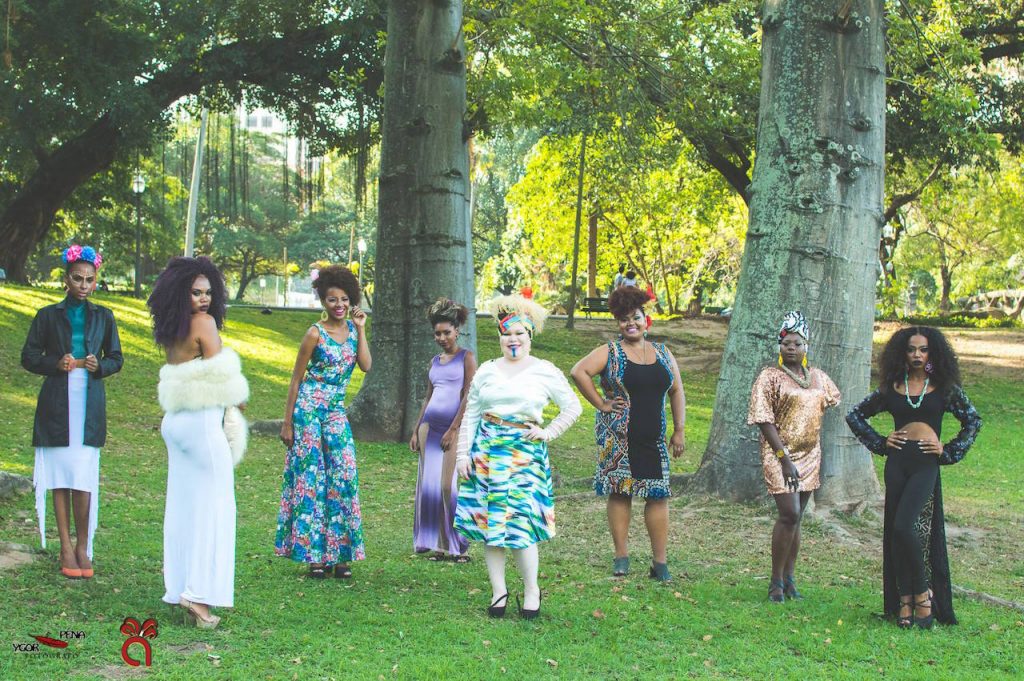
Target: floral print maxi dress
x=319 y=520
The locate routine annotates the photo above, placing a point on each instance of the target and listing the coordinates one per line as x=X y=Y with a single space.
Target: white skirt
x=199 y=519
x=76 y=466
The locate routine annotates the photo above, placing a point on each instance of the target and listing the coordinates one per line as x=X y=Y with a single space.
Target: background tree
x=424 y=247
x=815 y=222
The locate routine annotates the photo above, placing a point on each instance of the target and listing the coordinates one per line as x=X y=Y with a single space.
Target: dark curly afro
x=170 y=304
x=893 y=363
x=446 y=310
x=338 y=276
x=625 y=299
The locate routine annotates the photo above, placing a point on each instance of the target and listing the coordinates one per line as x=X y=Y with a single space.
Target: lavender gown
x=436 y=491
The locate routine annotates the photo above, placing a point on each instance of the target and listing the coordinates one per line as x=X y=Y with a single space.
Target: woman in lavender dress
x=436 y=432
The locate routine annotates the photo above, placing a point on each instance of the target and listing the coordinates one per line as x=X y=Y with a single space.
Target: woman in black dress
x=920 y=381
x=636 y=375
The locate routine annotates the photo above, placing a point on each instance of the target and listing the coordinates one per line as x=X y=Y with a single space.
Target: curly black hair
x=945 y=373
x=625 y=299
x=446 y=310
x=170 y=304
x=337 y=276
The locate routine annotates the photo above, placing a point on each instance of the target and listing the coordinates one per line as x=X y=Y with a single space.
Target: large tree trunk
x=815 y=222
x=422 y=244
x=592 y=253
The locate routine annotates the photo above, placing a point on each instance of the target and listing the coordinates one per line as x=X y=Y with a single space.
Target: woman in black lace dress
x=920 y=381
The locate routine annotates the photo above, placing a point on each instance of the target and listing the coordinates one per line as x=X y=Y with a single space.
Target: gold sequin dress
x=796 y=412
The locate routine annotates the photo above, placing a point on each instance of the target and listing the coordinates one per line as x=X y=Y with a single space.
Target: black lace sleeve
x=858 y=417
x=970 y=423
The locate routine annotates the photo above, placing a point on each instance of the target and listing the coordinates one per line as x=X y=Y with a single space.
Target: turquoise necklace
x=906 y=388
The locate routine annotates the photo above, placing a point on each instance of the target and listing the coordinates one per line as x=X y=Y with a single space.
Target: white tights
x=528 y=562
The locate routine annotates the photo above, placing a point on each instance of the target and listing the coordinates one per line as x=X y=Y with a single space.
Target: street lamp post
x=138 y=186
x=361 y=246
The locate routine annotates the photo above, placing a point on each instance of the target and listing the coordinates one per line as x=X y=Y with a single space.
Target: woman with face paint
x=75 y=345
x=448 y=380
x=319 y=522
x=787 y=404
x=920 y=382
x=633 y=454
x=200 y=385
x=506 y=499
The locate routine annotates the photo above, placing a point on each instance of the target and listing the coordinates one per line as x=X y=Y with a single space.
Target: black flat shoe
x=779 y=597
x=659 y=571
x=495 y=610
x=342 y=571
x=530 y=614
x=620 y=566
x=317 y=571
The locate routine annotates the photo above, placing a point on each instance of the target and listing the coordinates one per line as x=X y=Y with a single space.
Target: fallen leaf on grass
x=551 y=662
x=598 y=614
x=296 y=660
x=706 y=637
x=486 y=643
x=994 y=627
x=828 y=641
x=678 y=594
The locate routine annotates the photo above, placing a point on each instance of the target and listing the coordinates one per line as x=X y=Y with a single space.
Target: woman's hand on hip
x=896 y=439
x=616 y=405
x=931 y=445
x=678 y=444
x=536 y=433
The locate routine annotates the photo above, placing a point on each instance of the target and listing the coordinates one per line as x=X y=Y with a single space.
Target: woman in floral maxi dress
x=319 y=522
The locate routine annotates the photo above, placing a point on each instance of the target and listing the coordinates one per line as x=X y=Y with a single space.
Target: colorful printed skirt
x=319 y=520
x=508 y=499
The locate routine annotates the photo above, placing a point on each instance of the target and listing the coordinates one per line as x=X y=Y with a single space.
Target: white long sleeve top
x=521 y=397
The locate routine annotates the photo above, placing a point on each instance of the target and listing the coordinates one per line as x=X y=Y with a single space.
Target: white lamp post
x=138 y=186
x=361 y=247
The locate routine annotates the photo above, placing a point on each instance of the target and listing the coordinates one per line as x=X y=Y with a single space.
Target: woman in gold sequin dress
x=787 y=403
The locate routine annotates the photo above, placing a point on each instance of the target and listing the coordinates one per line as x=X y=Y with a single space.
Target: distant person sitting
x=618 y=277
x=629 y=279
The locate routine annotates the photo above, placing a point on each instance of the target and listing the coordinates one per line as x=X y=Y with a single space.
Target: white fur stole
x=205 y=383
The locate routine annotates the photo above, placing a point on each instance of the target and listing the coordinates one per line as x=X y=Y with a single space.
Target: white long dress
x=199 y=518
x=76 y=466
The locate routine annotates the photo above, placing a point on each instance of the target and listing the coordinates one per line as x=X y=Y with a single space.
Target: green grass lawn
x=405 y=617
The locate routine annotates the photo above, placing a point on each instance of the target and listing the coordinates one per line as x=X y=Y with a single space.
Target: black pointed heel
x=495 y=610
x=530 y=614
x=925 y=622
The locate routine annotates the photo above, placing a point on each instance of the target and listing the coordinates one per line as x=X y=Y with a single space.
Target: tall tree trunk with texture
x=422 y=233
x=592 y=253
x=815 y=221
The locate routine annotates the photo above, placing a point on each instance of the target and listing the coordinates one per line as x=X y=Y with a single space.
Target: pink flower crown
x=76 y=253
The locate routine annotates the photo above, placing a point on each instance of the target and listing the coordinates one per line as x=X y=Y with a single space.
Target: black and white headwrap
x=794 y=322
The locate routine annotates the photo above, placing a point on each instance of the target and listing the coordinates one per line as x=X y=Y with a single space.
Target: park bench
x=594 y=305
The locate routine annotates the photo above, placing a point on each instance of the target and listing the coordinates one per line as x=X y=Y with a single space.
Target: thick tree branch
x=901 y=200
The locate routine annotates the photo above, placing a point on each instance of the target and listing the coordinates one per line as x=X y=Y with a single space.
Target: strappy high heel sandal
x=530 y=614
x=193 y=617
x=790 y=590
x=779 y=597
x=925 y=622
x=495 y=610
x=620 y=566
x=906 y=621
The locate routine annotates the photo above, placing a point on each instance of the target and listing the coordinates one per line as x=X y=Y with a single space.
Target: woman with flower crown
x=787 y=404
x=75 y=345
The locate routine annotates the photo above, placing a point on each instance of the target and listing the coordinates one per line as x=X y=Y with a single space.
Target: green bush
x=961 y=321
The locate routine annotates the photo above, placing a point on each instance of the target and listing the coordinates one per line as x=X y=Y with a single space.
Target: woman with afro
x=920 y=382
x=200 y=386
x=633 y=453
x=319 y=522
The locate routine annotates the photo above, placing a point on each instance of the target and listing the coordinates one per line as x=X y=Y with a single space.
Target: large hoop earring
x=323 y=316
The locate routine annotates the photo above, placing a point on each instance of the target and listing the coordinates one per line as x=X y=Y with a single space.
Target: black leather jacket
x=49 y=339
